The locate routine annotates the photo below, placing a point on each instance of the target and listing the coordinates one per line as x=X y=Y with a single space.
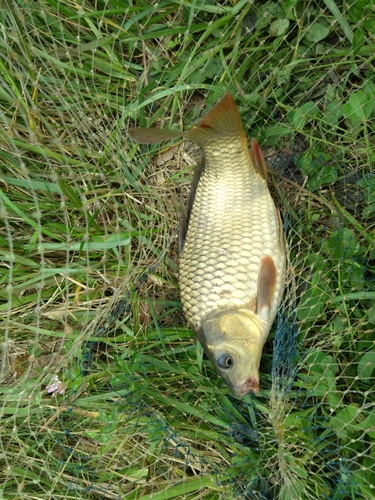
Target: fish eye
x=225 y=361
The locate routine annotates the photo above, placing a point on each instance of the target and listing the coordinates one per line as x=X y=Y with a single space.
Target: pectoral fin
x=266 y=284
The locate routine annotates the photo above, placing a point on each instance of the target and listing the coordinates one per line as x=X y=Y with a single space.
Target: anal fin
x=258 y=159
x=281 y=232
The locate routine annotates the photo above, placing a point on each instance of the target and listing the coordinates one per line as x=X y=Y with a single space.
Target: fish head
x=234 y=341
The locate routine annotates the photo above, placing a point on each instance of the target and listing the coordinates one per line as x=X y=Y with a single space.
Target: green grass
x=89 y=281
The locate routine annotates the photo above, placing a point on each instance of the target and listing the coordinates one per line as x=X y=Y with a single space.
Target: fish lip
x=250 y=384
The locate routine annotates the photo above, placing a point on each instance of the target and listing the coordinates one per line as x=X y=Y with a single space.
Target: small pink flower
x=56 y=386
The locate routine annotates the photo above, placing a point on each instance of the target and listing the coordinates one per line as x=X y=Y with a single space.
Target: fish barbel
x=232 y=244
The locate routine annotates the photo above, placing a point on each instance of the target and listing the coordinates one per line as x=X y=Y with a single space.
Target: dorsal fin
x=184 y=222
x=266 y=284
x=258 y=159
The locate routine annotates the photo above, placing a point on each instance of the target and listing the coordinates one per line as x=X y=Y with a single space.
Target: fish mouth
x=250 y=384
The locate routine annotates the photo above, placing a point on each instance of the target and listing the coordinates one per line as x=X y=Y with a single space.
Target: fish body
x=233 y=252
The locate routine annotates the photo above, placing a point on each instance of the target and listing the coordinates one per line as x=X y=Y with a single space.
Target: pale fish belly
x=233 y=225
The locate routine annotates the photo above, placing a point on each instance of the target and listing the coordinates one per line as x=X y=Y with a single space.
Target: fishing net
x=104 y=392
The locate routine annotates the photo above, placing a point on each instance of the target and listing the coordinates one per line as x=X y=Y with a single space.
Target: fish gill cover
x=104 y=392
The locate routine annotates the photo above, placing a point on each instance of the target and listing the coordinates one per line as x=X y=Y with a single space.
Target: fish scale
x=233 y=224
x=232 y=247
